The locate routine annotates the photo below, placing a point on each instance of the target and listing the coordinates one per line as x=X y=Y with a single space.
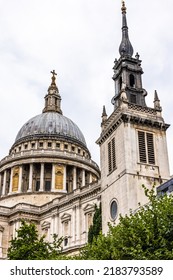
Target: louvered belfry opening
x=111 y=155
x=146 y=147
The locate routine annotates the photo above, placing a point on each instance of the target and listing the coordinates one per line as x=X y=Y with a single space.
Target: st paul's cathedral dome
x=49 y=156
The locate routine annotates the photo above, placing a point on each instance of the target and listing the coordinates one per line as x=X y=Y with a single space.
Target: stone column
x=0 y=182
x=14 y=229
x=74 y=225
x=56 y=225
x=1 y=231
x=53 y=178
x=11 y=181
x=64 y=178
x=74 y=178
x=78 y=224
x=4 y=183
x=30 y=177
x=60 y=233
x=83 y=177
x=90 y=178
x=17 y=226
x=42 y=178
x=20 y=179
x=52 y=228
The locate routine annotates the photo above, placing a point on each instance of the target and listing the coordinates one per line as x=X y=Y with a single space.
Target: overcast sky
x=80 y=40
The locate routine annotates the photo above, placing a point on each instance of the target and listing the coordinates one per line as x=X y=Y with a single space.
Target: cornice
x=60 y=155
x=135 y=114
x=56 y=203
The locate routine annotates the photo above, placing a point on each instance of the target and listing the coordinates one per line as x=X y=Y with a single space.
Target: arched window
x=132 y=80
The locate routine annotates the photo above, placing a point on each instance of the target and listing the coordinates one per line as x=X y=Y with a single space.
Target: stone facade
x=50 y=179
x=124 y=182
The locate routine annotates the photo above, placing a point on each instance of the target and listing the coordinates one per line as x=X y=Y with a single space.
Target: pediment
x=45 y=224
x=66 y=217
x=89 y=207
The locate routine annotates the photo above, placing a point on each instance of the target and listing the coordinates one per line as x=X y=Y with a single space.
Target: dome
x=51 y=124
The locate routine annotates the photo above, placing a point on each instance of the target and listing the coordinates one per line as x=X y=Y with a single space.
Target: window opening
x=133 y=98
x=120 y=83
x=37 y=186
x=49 y=144
x=47 y=186
x=113 y=209
x=132 y=80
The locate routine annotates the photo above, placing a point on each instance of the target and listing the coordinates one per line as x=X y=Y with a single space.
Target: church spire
x=53 y=98
x=125 y=48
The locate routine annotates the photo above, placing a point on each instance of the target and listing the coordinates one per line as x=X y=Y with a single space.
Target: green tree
x=29 y=246
x=96 y=227
x=146 y=234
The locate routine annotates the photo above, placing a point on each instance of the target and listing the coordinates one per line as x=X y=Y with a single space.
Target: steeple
x=127 y=71
x=132 y=141
x=53 y=98
x=125 y=48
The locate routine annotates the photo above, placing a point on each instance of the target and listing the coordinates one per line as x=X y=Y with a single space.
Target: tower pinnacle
x=157 y=101
x=104 y=117
x=125 y=48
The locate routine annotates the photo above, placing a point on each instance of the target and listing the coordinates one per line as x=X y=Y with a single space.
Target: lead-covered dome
x=51 y=124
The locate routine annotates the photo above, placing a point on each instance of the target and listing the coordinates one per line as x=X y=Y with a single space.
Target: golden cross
x=53 y=77
x=53 y=73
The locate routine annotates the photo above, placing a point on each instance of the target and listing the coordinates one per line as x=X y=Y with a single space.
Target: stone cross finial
x=53 y=77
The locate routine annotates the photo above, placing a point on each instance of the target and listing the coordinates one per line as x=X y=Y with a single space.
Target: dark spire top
x=104 y=112
x=125 y=48
x=53 y=98
x=156 y=98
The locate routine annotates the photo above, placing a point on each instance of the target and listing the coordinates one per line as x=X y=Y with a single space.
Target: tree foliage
x=96 y=227
x=146 y=234
x=29 y=246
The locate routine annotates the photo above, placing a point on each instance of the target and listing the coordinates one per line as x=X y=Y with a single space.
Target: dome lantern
x=53 y=98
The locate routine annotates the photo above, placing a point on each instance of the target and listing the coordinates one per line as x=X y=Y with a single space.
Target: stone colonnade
x=43 y=177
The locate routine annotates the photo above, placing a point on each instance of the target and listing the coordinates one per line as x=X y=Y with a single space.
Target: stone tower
x=133 y=148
